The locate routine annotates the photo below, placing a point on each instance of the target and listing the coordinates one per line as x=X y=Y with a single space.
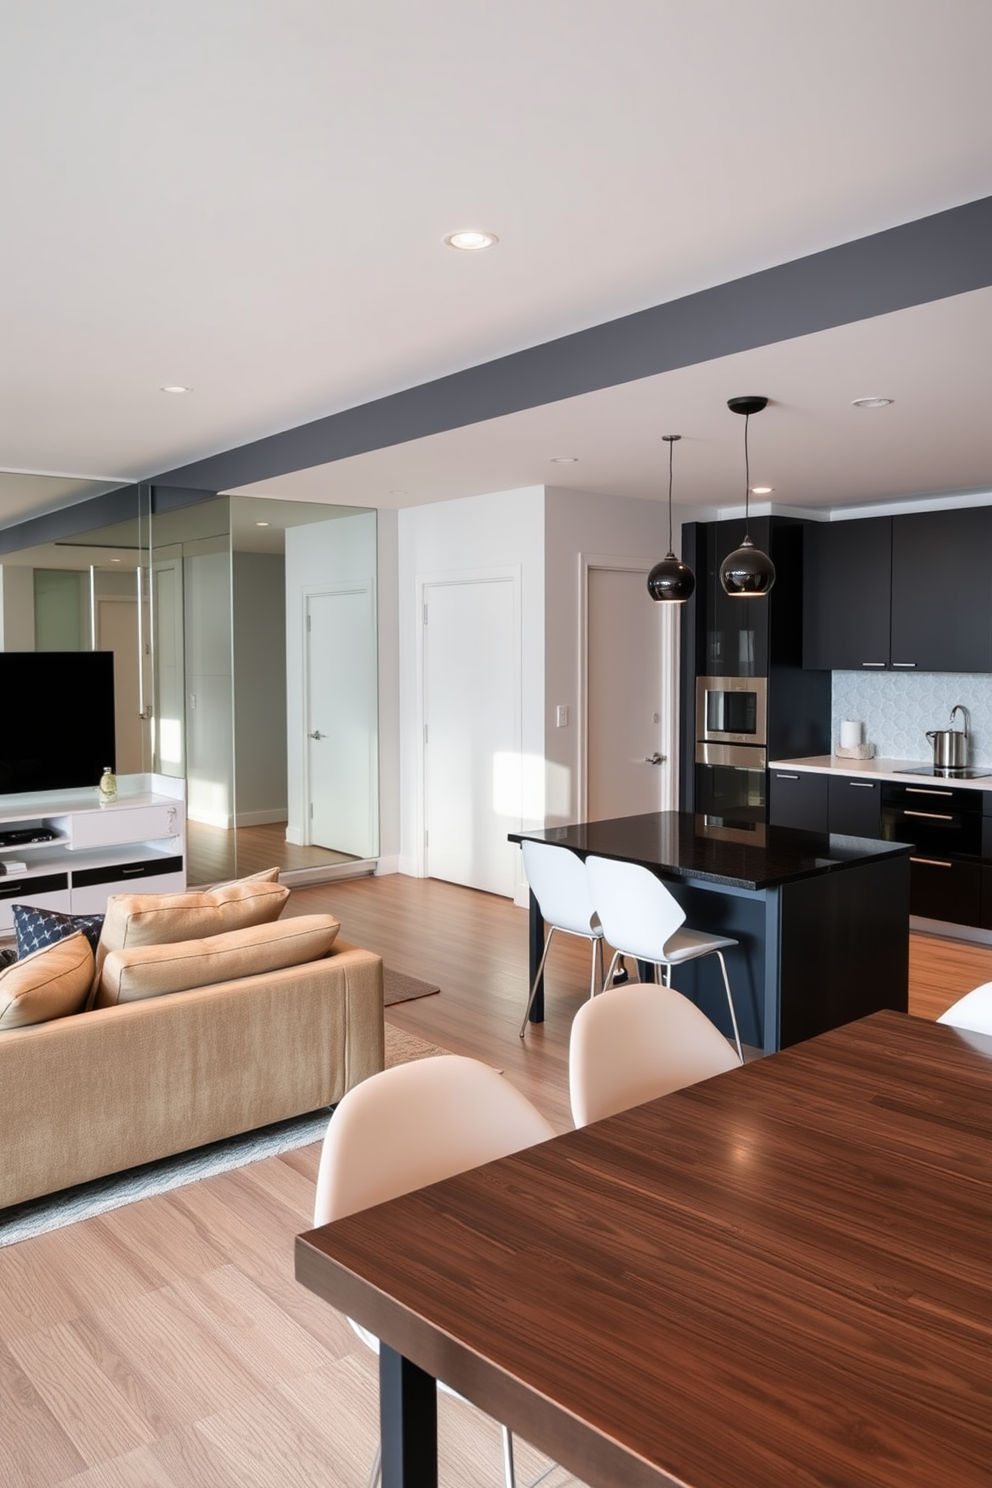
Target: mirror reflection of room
x=244 y=638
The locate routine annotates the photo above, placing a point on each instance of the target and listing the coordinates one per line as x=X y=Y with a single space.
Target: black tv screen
x=57 y=710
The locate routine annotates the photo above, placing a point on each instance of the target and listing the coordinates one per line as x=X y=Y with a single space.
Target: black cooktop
x=971 y=772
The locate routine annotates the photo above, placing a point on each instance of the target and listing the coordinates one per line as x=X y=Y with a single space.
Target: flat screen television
x=56 y=719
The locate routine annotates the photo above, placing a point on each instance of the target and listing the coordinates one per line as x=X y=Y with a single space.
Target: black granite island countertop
x=686 y=846
x=820 y=922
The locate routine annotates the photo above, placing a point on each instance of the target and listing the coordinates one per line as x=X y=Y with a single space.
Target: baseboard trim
x=328 y=872
x=944 y=928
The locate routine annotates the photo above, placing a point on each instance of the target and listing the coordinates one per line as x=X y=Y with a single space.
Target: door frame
x=669 y=652
x=424 y=581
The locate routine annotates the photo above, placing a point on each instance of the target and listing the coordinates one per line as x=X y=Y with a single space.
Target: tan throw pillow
x=152 y=971
x=163 y=919
x=50 y=983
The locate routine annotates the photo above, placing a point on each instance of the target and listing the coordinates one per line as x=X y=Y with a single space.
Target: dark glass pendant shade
x=747 y=572
x=671 y=579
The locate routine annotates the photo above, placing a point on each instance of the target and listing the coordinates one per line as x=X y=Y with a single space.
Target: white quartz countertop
x=875 y=769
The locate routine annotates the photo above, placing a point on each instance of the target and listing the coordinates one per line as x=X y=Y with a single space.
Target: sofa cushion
x=50 y=983
x=36 y=928
x=163 y=919
x=139 y=972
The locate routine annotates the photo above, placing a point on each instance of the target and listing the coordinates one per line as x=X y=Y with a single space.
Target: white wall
x=318 y=555
x=451 y=539
x=387 y=531
x=259 y=620
x=16 y=608
x=209 y=720
x=581 y=523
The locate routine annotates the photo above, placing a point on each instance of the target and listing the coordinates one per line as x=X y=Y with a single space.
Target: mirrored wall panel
x=245 y=662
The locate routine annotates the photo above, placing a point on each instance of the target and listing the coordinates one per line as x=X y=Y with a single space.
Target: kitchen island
x=822 y=920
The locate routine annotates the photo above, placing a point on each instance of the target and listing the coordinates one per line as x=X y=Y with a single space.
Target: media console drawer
x=116 y=825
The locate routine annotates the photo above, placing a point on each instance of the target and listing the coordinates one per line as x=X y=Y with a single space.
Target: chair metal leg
x=375 y=1471
x=508 y=1470
x=608 y=980
x=597 y=945
x=537 y=978
x=730 y=1004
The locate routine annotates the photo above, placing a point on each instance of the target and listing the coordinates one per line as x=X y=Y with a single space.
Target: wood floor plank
x=34 y=1448
x=86 y=1391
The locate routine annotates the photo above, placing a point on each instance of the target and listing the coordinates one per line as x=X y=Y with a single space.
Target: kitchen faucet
x=960 y=708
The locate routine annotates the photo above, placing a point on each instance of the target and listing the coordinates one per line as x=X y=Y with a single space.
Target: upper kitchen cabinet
x=905 y=593
x=847 y=595
x=942 y=591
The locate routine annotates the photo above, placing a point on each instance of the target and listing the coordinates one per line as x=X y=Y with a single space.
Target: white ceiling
x=249 y=197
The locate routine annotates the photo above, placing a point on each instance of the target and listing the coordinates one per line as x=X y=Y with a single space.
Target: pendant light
x=747 y=572
x=671 y=579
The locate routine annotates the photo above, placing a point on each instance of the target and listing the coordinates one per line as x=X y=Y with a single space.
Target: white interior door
x=342 y=721
x=630 y=697
x=472 y=755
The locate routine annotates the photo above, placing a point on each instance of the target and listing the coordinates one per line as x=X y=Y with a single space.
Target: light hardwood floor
x=166 y=1345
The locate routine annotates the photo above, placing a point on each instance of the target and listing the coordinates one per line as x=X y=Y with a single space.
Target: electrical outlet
x=561 y=715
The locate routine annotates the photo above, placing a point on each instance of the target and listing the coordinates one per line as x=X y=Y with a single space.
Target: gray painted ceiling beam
x=946 y=254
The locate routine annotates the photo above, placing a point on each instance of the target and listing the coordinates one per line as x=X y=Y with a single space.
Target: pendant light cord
x=747 y=482
x=671 y=451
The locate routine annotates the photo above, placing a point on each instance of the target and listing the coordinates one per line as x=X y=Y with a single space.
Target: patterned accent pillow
x=36 y=928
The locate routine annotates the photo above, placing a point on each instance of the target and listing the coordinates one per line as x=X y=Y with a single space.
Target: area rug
x=55 y=1211
x=398 y=987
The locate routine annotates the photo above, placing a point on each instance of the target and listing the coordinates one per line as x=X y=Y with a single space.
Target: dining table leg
x=407 y=1422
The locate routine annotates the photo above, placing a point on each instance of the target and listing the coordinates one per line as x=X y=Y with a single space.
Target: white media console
x=136 y=842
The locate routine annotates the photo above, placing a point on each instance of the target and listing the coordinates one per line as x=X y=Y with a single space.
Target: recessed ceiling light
x=762 y=490
x=116 y=560
x=564 y=460
x=175 y=387
x=871 y=402
x=468 y=240
x=262 y=524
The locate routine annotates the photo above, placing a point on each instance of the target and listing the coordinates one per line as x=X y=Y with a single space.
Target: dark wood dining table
x=780 y=1277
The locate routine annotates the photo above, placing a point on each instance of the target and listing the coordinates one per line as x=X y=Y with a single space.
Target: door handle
x=654 y=759
x=316 y=735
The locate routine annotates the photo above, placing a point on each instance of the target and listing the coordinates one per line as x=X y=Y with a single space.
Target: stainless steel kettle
x=950 y=746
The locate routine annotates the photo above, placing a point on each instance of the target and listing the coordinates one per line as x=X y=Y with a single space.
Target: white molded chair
x=559 y=884
x=641 y=918
x=635 y=1043
x=413 y=1125
x=973 y=1012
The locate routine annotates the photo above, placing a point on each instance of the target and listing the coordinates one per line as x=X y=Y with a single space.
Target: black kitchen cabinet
x=798 y=799
x=905 y=593
x=847 y=594
x=942 y=591
x=855 y=806
x=946 y=889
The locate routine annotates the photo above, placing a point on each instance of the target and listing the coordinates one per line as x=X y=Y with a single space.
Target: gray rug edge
x=87 y=1200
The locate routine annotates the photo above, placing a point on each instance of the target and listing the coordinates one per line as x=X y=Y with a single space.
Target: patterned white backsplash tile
x=897 y=710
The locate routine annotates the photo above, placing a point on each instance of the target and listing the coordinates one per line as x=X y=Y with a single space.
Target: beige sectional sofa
x=158 y=1072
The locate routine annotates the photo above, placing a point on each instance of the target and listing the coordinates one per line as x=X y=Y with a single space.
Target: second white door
x=628 y=698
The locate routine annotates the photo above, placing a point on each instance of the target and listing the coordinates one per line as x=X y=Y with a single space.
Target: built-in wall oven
x=731 y=747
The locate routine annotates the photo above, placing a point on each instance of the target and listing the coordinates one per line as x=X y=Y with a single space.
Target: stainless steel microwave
x=732 y=710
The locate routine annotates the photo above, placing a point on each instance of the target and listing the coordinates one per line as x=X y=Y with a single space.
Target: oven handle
x=931 y=815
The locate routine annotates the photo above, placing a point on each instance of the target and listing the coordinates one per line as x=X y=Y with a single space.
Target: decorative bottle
x=108 y=785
